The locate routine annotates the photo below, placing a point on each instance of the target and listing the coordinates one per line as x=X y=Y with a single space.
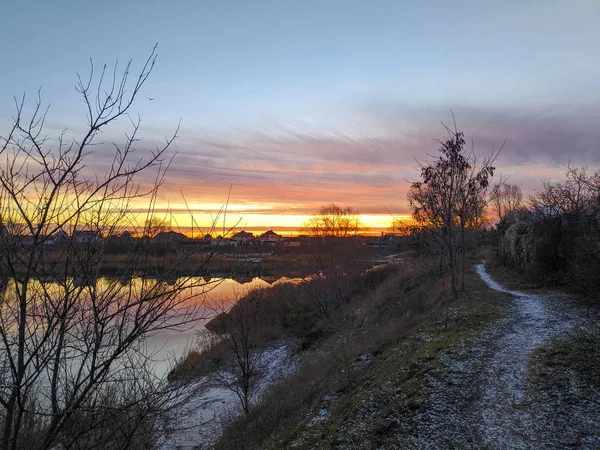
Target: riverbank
x=293 y=307
x=305 y=310
x=200 y=419
x=398 y=376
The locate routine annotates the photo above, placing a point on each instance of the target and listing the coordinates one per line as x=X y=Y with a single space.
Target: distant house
x=230 y=242
x=224 y=242
x=86 y=237
x=59 y=236
x=242 y=236
x=548 y=211
x=387 y=240
x=292 y=242
x=119 y=243
x=270 y=238
x=169 y=237
x=125 y=236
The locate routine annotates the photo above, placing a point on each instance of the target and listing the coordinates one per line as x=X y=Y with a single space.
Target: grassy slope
x=352 y=389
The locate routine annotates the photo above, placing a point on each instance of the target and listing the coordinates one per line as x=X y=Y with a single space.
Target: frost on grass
x=483 y=397
x=199 y=420
x=326 y=403
x=508 y=418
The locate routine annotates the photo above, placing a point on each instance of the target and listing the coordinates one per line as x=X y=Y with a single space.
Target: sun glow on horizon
x=286 y=224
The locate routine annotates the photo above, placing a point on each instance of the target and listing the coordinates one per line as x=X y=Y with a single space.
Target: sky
x=297 y=104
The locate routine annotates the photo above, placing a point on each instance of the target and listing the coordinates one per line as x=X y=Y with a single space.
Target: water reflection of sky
x=210 y=295
x=170 y=344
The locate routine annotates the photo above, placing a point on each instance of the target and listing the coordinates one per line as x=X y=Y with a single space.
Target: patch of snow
x=362 y=360
x=326 y=403
x=480 y=269
x=199 y=420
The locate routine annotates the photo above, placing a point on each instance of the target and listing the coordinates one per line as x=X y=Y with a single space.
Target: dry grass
x=552 y=363
x=373 y=397
x=287 y=310
x=369 y=372
x=368 y=324
x=374 y=339
x=199 y=361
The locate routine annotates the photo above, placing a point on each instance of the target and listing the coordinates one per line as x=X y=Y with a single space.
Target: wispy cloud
x=292 y=172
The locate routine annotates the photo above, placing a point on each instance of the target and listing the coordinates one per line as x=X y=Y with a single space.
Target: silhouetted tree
x=333 y=252
x=155 y=225
x=505 y=198
x=74 y=369
x=578 y=195
x=333 y=221
x=450 y=197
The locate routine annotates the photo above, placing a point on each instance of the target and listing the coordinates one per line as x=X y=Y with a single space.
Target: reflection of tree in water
x=45 y=279
x=171 y=280
x=271 y=279
x=125 y=279
x=242 y=279
x=85 y=281
x=3 y=285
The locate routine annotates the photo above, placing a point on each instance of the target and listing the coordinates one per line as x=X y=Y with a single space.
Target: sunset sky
x=301 y=103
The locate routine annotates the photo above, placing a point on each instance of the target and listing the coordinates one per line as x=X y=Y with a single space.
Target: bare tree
x=449 y=198
x=155 y=225
x=74 y=368
x=506 y=198
x=331 y=230
x=333 y=221
x=243 y=329
x=577 y=195
x=334 y=248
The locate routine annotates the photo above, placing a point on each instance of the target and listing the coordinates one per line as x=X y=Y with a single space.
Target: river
x=170 y=344
x=208 y=297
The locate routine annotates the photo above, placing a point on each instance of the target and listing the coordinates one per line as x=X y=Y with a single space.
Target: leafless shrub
x=559 y=242
x=74 y=368
x=243 y=330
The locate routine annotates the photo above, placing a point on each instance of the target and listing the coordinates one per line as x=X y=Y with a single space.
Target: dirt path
x=485 y=397
x=506 y=417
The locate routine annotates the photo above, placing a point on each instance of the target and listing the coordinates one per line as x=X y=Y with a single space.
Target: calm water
x=167 y=345
x=170 y=344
